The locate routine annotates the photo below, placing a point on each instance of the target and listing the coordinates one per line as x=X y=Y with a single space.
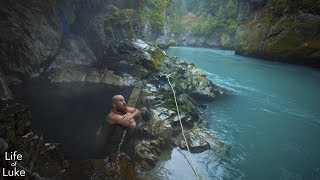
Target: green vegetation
x=184 y=104
x=122 y=18
x=184 y=101
x=155 y=62
x=153 y=11
x=203 y=17
x=157 y=56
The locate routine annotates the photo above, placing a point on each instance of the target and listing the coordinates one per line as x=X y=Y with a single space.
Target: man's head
x=119 y=104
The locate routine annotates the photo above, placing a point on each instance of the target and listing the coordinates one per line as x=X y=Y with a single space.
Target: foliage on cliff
x=153 y=11
x=283 y=30
x=126 y=19
x=203 y=17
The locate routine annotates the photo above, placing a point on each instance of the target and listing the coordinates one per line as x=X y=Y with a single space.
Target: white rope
x=182 y=130
x=117 y=159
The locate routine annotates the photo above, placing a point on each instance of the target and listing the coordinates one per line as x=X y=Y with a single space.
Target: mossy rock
x=283 y=30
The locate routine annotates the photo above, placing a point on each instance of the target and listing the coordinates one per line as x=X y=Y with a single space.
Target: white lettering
x=4 y=172
x=6 y=156
x=13 y=172
x=22 y=173
x=19 y=157
x=13 y=156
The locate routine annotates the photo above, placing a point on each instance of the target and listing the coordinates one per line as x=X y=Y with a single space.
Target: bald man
x=121 y=113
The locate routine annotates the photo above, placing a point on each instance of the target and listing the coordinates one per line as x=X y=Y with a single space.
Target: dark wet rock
x=3 y=146
x=15 y=125
x=54 y=150
x=73 y=50
x=82 y=73
x=30 y=35
x=199 y=140
x=5 y=92
x=151 y=100
x=196 y=82
x=139 y=71
x=148 y=153
x=196 y=141
x=15 y=119
x=103 y=27
x=121 y=168
x=74 y=62
x=159 y=128
x=186 y=78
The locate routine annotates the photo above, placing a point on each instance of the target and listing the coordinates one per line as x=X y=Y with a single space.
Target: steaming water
x=270 y=118
x=70 y=113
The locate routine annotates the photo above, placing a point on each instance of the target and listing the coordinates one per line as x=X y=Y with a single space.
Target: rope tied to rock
x=182 y=130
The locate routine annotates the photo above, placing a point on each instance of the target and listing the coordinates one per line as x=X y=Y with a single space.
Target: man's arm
x=134 y=111
x=118 y=119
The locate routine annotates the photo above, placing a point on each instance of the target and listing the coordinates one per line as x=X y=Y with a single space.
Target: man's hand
x=127 y=116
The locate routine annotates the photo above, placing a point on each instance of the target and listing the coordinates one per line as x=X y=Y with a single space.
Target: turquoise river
x=270 y=118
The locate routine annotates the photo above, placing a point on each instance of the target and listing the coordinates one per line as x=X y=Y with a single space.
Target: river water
x=270 y=118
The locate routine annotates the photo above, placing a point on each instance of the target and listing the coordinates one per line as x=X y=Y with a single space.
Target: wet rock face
x=73 y=50
x=30 y=35
x=75 y=62
x=280 y=30
x=245 y=7
x=5 y=92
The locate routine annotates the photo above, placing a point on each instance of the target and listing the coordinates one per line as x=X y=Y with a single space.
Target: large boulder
x=159 y=128
x=187 y=77
x=195 y=140
x=148 y=152
x=200 y=86
x=200 y=140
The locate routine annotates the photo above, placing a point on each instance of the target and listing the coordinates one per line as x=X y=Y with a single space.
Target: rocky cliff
x=281 y=30
x=191 y=23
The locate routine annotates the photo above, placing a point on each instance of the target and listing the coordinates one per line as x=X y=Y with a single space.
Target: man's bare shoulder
x=112 y=117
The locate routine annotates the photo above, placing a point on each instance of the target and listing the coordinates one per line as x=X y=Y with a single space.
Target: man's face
x=121 y=105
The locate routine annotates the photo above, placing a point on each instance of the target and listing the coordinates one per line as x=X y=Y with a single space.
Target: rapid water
x=270 y=118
